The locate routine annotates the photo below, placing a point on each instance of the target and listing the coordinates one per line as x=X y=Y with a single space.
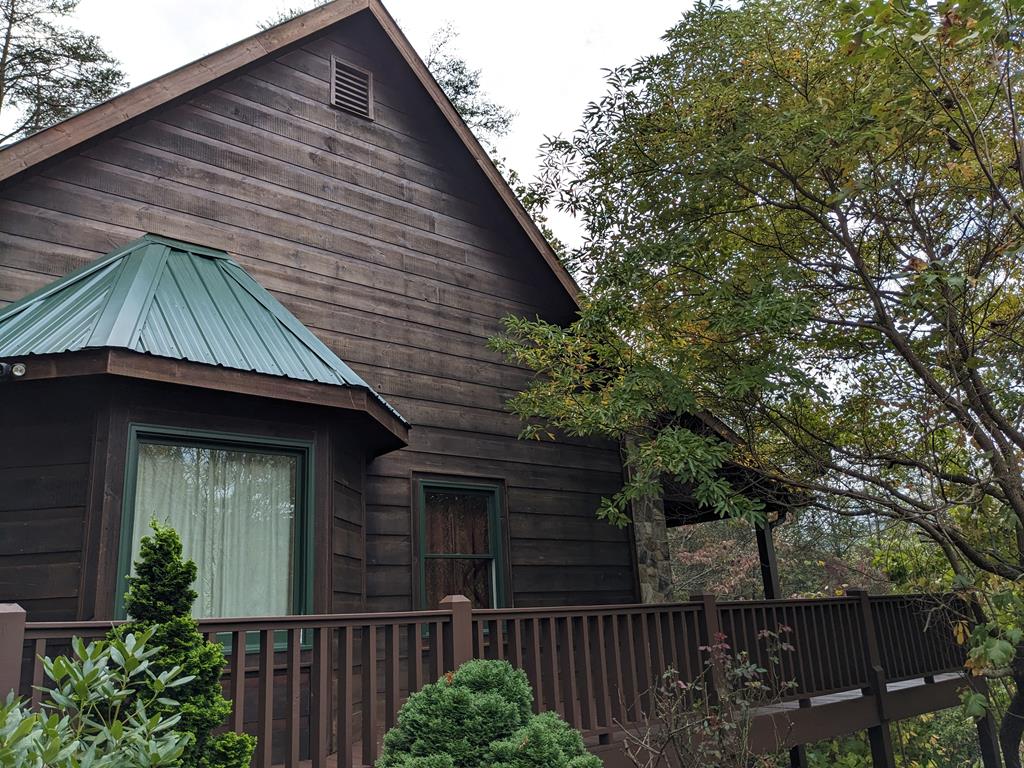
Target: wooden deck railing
x=314 y=686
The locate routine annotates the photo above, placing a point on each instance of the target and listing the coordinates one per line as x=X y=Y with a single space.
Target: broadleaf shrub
x=99 y=712
x=481 y=716
x=159 y=599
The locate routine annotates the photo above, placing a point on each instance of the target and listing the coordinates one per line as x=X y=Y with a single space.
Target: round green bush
x=481 y=716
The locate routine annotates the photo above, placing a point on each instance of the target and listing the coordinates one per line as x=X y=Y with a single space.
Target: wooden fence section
x=322 y=690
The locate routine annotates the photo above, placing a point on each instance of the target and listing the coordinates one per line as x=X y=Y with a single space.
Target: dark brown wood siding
x=45 y=447
x=386 y=240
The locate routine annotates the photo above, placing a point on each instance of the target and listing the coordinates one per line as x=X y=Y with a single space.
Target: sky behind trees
x=541 y=59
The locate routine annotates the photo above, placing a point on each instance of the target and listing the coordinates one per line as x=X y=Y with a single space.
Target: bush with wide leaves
x=100 y=712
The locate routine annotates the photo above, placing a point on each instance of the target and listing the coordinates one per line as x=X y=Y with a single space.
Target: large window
x=241 y=508
x=460 y=542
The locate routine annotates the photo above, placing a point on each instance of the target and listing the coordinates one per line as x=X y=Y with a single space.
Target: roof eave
x=392 y=431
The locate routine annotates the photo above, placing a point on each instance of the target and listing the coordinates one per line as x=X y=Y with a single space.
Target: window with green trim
x=460 y=542
x=241 y=507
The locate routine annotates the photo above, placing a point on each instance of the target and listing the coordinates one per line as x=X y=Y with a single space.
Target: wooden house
x=251 y=298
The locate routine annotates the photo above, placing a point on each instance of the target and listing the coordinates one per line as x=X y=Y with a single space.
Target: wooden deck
x=322 y=690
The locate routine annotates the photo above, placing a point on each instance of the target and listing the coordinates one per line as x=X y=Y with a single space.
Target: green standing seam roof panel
x=172 y=299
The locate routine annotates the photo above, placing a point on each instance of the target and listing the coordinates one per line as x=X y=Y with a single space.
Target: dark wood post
x=12 y=641
x=879 y=736
x=461 y=610
x=988 y=733
x=769 y=562
x=712 y=630
x=773 y=591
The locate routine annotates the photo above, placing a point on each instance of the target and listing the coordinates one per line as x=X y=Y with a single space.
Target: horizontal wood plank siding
x=44 y=480
x=385 y=238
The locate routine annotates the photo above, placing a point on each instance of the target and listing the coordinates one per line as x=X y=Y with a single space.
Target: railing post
x=12 y=641
x=461 y=610
x=879 y=737
x=712 y=631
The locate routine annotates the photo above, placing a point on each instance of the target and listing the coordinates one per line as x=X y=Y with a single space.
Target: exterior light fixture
x=12 y=370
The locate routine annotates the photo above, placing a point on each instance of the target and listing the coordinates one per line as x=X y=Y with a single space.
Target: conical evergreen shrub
x=160 y=595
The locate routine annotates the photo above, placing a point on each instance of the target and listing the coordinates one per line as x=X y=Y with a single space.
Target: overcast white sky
x=540 y=58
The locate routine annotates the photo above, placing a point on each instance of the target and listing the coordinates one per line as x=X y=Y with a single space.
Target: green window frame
x=495 y=534
x=301 y=450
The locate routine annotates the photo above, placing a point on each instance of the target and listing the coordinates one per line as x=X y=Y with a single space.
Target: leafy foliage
x=481 y=715
x=461 y=84
x=109 y=708
x=48 y=71
x=944 y=739
x=159 y=600
x=806 y=219
x=707 y=722
x=821 y=555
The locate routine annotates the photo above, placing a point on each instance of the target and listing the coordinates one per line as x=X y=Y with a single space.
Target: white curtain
x=235 y=512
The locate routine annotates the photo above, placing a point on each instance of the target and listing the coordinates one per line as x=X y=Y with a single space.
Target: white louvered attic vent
x=352 y=89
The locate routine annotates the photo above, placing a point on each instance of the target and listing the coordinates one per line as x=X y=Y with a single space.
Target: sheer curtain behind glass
x=235 y=512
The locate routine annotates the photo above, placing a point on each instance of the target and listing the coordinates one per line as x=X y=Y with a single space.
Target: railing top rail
x=55 y=629
x=795 y=601
x=590 y=610
x=925 y=596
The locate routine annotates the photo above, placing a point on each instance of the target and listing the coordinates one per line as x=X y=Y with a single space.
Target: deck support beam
x=988 y=732
x=880 y=738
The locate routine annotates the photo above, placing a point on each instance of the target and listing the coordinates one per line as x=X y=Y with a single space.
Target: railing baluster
x=621 y=670
x=645 y=661
x=294 y=693
x=535 y=671
x=498 y=627
x=369 y=673
x=237 y=668
x=39 y=652
x=553 y=688
x=515 y=643
x=415 y=657
x=480 y=649
x=391 y=675
x=437 y=650
x=604 y=701
x=343 y=716
x=587 y=697
x=319 y=697
x=265 y=725
x=567 y=665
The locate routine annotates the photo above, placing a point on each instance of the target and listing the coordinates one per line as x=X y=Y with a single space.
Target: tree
x=806 y=218
x=48 y=71
x=461 y=84
x=159 y=601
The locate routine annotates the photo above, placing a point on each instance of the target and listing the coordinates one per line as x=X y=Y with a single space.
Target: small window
x=351 y=89
x=460 y=542
x=241 y=509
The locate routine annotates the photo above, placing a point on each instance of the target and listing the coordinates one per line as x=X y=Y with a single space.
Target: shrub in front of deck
x=99 y=712
x=160 y=597
x=481 y=716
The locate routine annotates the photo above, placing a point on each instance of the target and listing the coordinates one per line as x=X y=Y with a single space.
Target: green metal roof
x=172 y=299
